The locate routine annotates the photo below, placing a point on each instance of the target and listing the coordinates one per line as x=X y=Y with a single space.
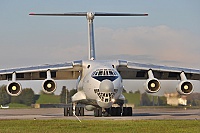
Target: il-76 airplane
x=99 y=82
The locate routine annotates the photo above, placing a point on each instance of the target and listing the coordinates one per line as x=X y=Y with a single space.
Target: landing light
x=113 y=100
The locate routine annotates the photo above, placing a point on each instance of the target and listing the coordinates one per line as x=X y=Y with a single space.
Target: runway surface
x=138 y=114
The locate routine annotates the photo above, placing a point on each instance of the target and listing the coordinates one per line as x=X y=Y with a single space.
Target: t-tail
x=90 y=17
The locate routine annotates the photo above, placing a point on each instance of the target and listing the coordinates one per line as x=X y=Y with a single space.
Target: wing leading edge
x=133 y=70
x=59 y=71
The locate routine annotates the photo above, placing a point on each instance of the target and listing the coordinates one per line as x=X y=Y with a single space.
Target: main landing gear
x=70 y=110
x=113 y=111
x=78 y=110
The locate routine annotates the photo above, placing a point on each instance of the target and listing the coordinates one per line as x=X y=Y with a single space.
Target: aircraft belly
x=89 y=102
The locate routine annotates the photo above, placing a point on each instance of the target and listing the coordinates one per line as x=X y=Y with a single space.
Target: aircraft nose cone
x=106 y=86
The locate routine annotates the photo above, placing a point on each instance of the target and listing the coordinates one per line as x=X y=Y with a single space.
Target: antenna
x=90 y=17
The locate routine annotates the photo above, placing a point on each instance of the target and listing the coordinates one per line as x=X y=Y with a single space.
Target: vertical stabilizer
x=90 y=17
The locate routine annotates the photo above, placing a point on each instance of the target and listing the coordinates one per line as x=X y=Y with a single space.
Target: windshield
x=102 y=74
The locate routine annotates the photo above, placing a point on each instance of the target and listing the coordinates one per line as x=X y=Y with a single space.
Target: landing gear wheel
x=129 y=110
x=107 y=112
x=65 y=112
x=118 y=111
x=98 y=112
x=79 y=111
x=68 y=111
x=125 y=112
x=113 y=111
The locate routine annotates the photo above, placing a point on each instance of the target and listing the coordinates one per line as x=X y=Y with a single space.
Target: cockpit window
x=104 y=72
x=101 y=74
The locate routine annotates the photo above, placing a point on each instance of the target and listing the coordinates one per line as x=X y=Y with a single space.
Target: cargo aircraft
x=99 y=82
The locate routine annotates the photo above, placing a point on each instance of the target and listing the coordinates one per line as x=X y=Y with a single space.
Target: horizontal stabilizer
x=86 y=13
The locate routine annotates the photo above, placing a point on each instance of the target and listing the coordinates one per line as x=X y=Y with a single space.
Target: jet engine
x=185 y=87
x=14 y=88
x=49 y=85
x=152 y=84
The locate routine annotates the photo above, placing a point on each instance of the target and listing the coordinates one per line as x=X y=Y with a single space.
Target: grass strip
x=99 y=126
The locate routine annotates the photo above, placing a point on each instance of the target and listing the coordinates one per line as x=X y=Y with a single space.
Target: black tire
x=77 y=111
x=65 y=111
x=107 y=112
x=129 y=111
x=70 y=111
x=125 y=111
x=95 y=112
x=118 y=111
x=81 y=111
x=98 y=112
x=113 y=111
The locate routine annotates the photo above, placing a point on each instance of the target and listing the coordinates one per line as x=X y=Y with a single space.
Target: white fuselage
x=100 y=82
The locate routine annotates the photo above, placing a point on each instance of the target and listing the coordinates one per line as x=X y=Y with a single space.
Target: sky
x=170 y=35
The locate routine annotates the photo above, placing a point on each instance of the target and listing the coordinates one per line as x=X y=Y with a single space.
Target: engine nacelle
x=152 y=85
x=49 y=86
x=14 y=88
x=185 y=87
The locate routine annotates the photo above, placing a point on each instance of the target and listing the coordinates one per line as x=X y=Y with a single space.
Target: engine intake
x=49 y=86
x=152 y=85
x=14 y=88
x=185 y=88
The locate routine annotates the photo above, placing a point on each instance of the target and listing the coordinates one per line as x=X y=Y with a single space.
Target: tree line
x=28 y=97
x=150 y=100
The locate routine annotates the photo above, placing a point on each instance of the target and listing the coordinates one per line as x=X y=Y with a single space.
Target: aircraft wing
x=59 y=71
x=133 y=70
